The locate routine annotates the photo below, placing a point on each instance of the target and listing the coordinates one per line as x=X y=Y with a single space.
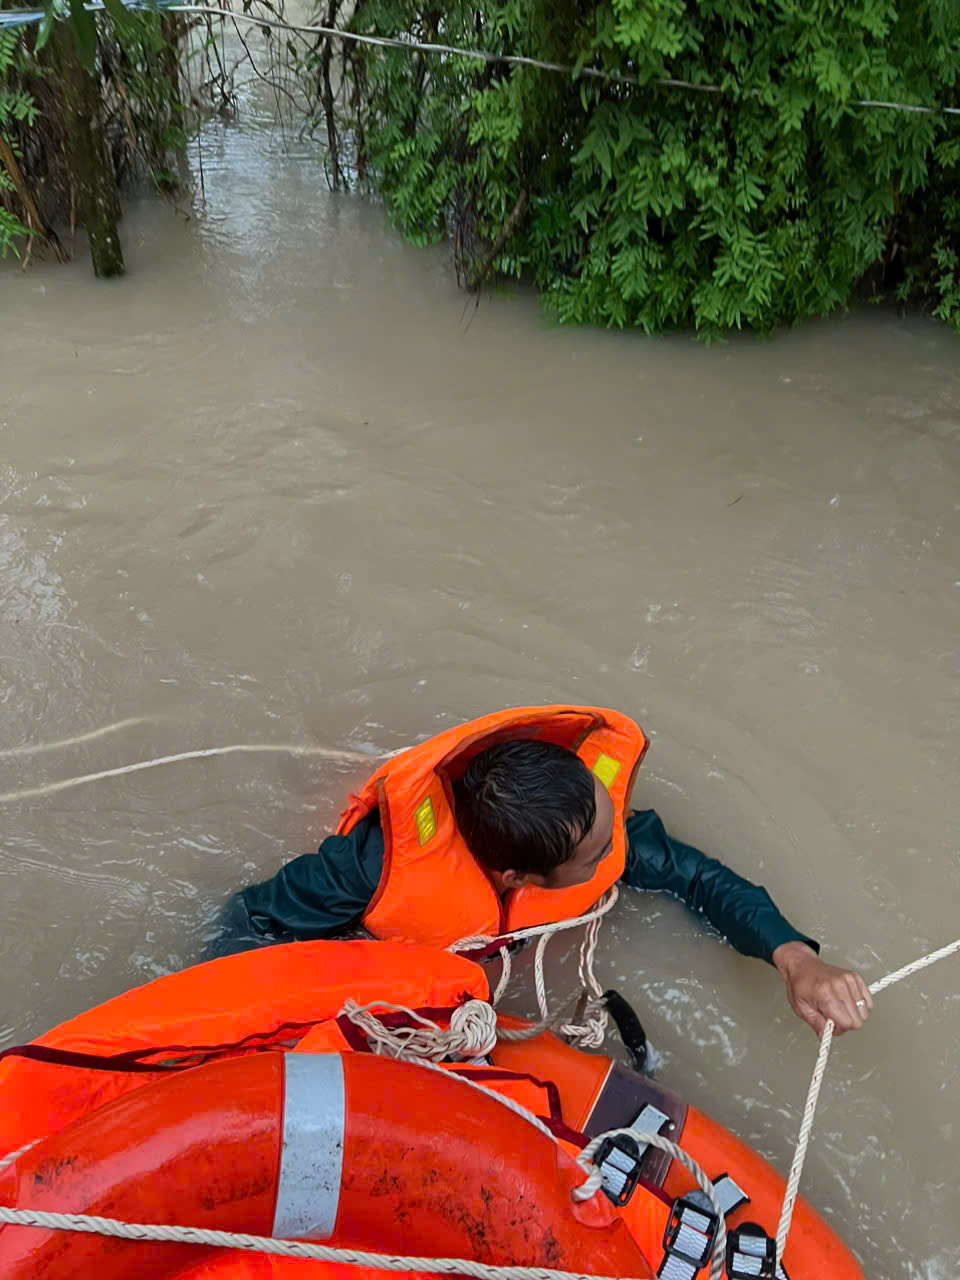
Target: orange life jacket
x=432 y=890
x=238 y=1004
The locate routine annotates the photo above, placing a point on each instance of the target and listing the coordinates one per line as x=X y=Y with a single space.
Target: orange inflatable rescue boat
x=237 y=1096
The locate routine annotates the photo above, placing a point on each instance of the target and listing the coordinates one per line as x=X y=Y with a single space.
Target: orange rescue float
x=254 y=1108
x=348 y=1148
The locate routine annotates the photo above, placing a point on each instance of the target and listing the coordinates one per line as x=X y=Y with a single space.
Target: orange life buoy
x=346 y=1148
x=290 y=996
x=431 y=888
x=237 y=1004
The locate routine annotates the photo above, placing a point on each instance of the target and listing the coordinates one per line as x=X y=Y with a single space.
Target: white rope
x=7 y=1160
x=243 y=748
x=472 y=1032
x=282 y=1248
x=589 y=1035
x=383 y=1040
x=813 y=1093
x=914 y=966
x=594 y=1182
x=516 y=1107
x=34 y=748
x=506 y=971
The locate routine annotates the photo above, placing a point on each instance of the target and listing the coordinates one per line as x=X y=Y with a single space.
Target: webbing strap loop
x=619 y=1159
x=752 y=1255
x=689 y=1237
x=691 y=1231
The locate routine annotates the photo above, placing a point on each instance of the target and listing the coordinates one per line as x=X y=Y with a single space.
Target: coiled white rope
x=590 y=1034
x=472 y=1032
x=813 y=1093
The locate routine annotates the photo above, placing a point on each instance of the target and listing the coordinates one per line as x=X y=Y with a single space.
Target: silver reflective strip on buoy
x=311 y=1159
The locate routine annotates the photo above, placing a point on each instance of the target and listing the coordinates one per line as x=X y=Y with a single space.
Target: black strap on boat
x=177 y=1057
x=619 y=1159
x=131 y=1061
x=692 y=1231
x=752 y=1255
x=629 y=1027
x=689 y=1237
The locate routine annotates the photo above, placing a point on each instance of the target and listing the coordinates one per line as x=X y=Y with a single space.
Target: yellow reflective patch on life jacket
x=426 y=820
x=606 y=769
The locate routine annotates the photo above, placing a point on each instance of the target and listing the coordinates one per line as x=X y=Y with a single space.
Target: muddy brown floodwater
x=285 y=484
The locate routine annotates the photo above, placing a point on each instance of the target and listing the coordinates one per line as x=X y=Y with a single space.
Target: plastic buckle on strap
x=618 y=1160
x=689 y=1236
x=752 y=1254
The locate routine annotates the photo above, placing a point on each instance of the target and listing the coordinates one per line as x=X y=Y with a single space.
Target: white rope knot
x=472 y=1033
x=592 y=1032
x=473 y=1030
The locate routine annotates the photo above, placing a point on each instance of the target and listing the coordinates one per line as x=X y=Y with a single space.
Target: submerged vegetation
x=723 y=170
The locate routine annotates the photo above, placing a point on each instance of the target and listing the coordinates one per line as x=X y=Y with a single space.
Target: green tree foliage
x=760 y=195
x=16 y=109
x=127 y=96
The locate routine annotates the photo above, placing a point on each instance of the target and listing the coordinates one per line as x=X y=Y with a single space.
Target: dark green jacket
x=325 y=893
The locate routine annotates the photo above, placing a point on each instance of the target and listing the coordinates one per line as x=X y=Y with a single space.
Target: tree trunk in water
x=98 y=205
x=333 y=141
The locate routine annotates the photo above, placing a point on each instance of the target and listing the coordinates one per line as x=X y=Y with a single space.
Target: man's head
x=533 y=813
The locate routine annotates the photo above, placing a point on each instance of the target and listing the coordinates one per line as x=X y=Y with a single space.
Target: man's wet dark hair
x=525 y=806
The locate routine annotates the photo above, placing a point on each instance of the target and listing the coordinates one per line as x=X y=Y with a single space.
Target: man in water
x=519 y=819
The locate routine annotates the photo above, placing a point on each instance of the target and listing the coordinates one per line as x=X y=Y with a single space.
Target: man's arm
x=317 y=895
x=746 y=915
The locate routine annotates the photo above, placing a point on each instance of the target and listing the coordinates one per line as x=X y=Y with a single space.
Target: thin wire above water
x=22 y=17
